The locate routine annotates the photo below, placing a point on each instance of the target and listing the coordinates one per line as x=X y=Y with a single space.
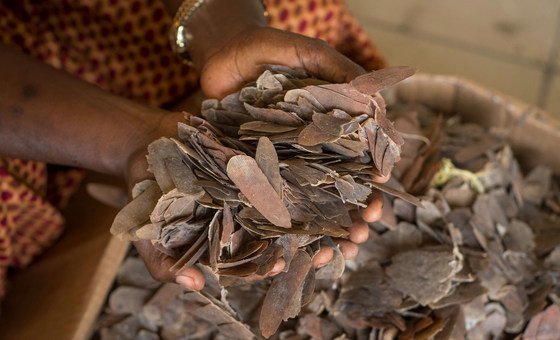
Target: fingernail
x=198 y=284
x=319 y=265
x=319 y=262
x=185 y=281
x=278 y=267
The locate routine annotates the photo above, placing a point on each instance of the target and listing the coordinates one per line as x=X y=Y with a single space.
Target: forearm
x=48 y=115
x=216 y=22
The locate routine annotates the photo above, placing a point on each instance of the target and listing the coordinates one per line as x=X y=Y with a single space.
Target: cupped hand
x=240 y=61
x=243 y=59
x=159 y=264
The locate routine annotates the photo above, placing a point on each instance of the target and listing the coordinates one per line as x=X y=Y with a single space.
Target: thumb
x=159 y=265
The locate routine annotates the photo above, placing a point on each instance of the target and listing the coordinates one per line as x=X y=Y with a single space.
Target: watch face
x=180 y=41
x=179 y=36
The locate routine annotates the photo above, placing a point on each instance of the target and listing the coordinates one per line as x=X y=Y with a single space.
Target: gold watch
x=179 y=36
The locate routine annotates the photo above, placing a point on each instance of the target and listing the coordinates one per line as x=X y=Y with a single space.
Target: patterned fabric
x=121 y=46
x=328 y=20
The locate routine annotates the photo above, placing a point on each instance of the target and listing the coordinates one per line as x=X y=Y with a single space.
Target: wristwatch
x=179 y=35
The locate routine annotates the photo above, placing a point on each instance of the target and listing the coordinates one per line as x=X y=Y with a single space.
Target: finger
x=158 y=263
x=324 y=62
x=245 y=59
x=379 y=178
x=191 y=278
x=359 y=231
x=323 y=257
x=348 y=249
x=374 y=209
x=278 y=267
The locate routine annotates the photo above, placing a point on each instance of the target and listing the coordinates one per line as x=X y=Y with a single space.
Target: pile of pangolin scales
x=272 y=172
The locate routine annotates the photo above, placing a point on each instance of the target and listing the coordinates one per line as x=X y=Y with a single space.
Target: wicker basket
x=533 y=134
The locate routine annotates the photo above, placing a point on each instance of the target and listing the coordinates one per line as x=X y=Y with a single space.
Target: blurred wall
x=510 y=45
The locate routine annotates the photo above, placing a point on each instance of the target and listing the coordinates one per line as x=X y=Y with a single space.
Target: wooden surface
x=60 y=295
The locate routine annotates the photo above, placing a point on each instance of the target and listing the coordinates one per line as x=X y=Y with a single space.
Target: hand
x=231 y=67
x=159 y=264
x=243 y=58
x=359 y=232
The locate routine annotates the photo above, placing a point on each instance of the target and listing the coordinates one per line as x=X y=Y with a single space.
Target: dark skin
x=50 y=116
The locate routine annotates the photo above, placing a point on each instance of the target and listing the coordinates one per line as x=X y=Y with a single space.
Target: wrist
x=217 y=22
x=153 y=125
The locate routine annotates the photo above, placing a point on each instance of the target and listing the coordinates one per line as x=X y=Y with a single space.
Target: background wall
x=510 y=45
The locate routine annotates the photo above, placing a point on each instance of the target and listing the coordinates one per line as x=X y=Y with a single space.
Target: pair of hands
x=226 y=71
